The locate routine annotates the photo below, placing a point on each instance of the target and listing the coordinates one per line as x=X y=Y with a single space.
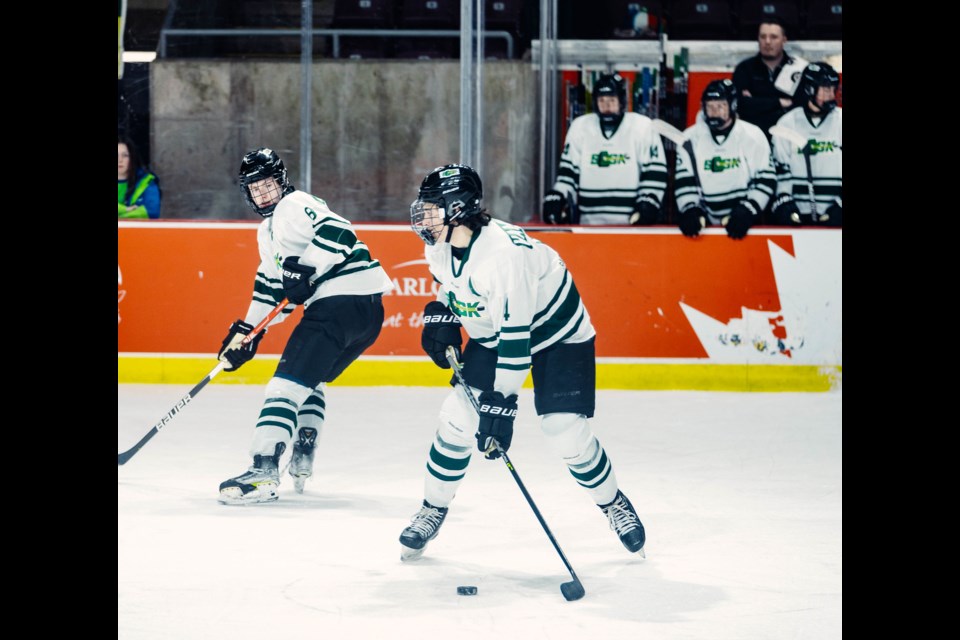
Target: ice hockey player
x=311 y=256
x=810 y=177
x=613 y=166
x=729 y=179
x=518 y=304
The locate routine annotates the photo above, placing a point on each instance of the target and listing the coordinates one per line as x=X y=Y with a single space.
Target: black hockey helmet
x=719 y=90
x=610 y=84
x=816 y=75
x=259 y=165
x=456 y=189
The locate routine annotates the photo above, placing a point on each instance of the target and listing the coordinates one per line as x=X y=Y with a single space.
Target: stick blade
x=572 y=590
x=669 y=132
x=788 y=134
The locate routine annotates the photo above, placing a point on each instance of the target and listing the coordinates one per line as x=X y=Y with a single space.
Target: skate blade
x=299 y=482
x=407 y=554
x=233 y=496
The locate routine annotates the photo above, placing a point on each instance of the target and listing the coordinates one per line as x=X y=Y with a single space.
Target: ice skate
x=425 y=525
x=301 y=464
x=258 y=484
x=626 y=523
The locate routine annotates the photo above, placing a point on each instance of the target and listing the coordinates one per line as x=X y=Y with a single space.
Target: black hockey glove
x=296 y=280
x=441 y=329
x=833 y=216
x=785 y=211
x=692 y=221
x=741 y=219
x=646 y=211
x=496 y=422
x=554 y=208
x=232 y=353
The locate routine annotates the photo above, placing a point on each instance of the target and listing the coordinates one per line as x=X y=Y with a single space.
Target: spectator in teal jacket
x=138 y=190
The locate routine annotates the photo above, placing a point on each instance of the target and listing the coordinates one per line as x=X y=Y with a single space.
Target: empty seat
x=824 y=20
x=753 y=12
x=503 y=15
x=700 y=20
x=429 y=15
x=363 y=14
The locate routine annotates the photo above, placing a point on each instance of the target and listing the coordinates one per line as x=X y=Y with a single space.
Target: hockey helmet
x=610 y=84
x=719 y=90
x=816 y=75
x=259 y=165
x=454 y=191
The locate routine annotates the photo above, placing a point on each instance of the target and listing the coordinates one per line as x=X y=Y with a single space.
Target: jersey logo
x=820 y=146
x=606 y=159
x=654 y=151
x=717 y=164
x=463 y=309
x=517 y=235
x=310 y=213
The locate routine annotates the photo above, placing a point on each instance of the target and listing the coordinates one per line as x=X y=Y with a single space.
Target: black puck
x=466 y=591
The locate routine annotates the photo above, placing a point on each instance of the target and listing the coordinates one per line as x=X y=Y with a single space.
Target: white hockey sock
x=570 y=437
x=313 y=411
x=278 y=416
x=451 y=450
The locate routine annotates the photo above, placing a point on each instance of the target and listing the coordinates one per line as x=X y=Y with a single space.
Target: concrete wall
x=378 y=128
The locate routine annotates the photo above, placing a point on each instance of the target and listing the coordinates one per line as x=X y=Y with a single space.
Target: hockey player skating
x=724 y=172
x=313 y=257
x=613 y=164
x=810 y=176
x=520 y=308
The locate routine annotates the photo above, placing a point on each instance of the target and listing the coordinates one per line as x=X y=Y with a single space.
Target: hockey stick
x=122 y=458
x=790 y=135
x=571 y=590
x=675 y=136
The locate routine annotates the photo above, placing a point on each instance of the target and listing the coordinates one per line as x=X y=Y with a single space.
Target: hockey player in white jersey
x=613 y=165
x=724 y=172
x=810 y=177
x=520 y=308
x=310 y=256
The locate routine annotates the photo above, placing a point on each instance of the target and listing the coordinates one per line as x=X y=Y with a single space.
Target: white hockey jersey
x=738 y=167
x=512 y=294
x=606 y=177
x=302 y=225
x=826 y=159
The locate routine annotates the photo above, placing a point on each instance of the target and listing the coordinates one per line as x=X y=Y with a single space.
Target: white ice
x=741 y=495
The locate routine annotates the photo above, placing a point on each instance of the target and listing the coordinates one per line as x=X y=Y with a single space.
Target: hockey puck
x=466 y=591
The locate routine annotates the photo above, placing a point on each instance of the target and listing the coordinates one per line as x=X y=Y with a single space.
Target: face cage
x=265 y=211
x=428 y=232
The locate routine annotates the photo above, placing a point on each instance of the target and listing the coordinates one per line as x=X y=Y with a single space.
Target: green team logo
x=717 y=164
x=517 y=235
x=820 y=146
x=449 y=172
x=310 y=213
x=463 y=309
x=604 y=159
x=277 y=260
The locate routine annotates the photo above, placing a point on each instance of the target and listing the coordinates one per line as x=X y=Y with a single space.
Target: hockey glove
x=296 y=280
x=833 y=216
x=441 y=329
x=496 y=422
x=741 y=219
x=785 y=211
x=692 y=220
x=646 y=211
x=554 y=208
x=232 y=352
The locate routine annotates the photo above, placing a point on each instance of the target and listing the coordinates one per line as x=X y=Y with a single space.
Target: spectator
x=768 y=81
x=138 y=190
x=613 y=168
x=521 y=309
x=309 y=255
x=808 y=153
x=724 y=172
